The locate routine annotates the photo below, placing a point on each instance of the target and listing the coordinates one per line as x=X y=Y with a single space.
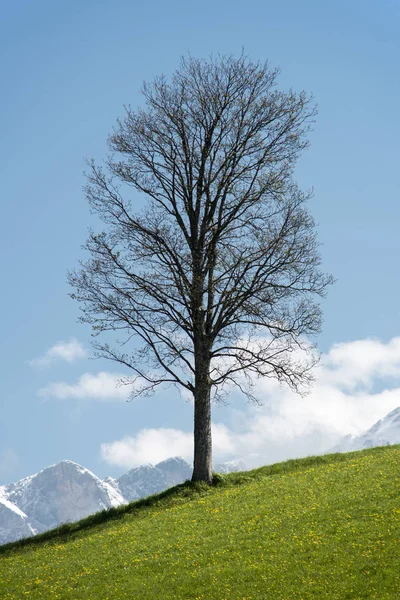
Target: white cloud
x=8 y=461
x=341 y=401
x=101 y=386
x=148 y=446
x=67 y=351
x=155 y=445
x=361 y=362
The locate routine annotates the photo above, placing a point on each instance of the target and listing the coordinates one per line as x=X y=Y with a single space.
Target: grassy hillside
x=322 y=528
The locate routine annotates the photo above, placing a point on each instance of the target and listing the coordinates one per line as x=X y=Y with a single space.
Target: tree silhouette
x=218 y=273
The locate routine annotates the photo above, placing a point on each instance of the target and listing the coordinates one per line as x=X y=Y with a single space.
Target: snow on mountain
x=14 y=523
x=230 y=466
x=67 y=491
x=382 y=433
x=141 y=481
x=58 y=494
x=176 y=470
x=61 y=493
x=149 y=479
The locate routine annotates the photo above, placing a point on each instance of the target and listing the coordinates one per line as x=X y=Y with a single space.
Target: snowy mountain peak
x=64 y=468
x=391 y=419
x=62 y=492
x=151 y=479
x=173 y=462
x=384 y=432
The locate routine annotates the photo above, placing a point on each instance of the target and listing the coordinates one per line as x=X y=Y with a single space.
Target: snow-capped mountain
x=68 y=492
x=60 y=493
x=383 y=433
x=148 y=479
x=63 y=492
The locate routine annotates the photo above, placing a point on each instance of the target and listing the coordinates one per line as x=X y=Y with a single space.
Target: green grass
x=322 y=528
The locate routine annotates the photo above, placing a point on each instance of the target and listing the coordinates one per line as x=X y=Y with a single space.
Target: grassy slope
x=322 y=528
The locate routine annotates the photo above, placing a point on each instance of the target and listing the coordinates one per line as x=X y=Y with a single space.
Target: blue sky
x=67 y=69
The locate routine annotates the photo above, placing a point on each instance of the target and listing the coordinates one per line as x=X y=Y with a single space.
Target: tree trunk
x=202 y=465
x=202 y=468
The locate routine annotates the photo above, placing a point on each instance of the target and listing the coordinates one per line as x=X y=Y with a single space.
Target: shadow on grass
x=185 y=491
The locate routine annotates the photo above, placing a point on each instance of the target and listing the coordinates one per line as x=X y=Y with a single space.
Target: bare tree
x=216 y=275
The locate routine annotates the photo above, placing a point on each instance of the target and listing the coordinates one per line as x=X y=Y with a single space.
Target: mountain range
x=67 y=491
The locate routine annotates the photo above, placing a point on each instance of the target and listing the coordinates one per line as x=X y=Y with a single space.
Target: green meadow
x=322 y=528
